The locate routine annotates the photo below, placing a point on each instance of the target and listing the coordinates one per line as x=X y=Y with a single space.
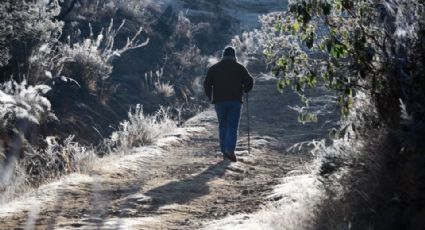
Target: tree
x=350 y=46
x=375 y=49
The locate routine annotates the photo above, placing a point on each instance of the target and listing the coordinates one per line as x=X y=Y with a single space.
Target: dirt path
x=179 y=183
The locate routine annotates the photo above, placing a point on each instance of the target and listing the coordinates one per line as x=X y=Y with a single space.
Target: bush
x=19 y=101
x=38 y=166
x=27 y=21
x=57 y=159
x=139 y=129
x=91 y=60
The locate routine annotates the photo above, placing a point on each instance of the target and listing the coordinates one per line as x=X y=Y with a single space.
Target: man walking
x=224 y=85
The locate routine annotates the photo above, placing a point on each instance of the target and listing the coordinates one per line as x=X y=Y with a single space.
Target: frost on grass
x=139 y=129
x=164 y=89
x=39 y=166
x=19 y=102
x=22 y=101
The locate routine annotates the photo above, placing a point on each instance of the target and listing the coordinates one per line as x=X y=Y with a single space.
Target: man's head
x=229 y=52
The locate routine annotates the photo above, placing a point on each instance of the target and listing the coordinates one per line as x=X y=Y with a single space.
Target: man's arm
x=247 y=80
x=208 y=84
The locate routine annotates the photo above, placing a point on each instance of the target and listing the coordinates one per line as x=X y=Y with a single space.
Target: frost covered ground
x=181 y=181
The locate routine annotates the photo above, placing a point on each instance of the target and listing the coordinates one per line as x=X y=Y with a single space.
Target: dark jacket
x=226 y=81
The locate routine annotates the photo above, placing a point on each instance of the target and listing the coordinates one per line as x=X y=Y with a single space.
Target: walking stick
x=247 y=116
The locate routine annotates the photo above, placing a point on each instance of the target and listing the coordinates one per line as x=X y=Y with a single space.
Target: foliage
x=164 y=89
x=25 y=102
x=371 y=54
x=29 y=21
x=340 y=44
x=96 y=11
x=183 y=56
x=56 y=159
x=247 y=46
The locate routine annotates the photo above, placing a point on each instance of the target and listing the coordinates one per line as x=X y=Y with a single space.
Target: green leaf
x=307 y=118
x=311 y=77
x=329 y=45
x=277 y=27
x=348 y=92
x=306 y=17
x=345 y=110
x=347 y=4
x=282 y=62
x=338 y=50
x=308 y=38
x=281 y=84
x=295 y=27
x=276 y=71
x=326 y=7
x=298 y=87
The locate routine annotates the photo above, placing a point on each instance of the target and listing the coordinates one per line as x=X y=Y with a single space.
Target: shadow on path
x=180 y=192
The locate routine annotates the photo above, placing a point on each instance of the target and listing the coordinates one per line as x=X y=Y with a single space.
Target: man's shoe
x=225 y=157
x=231 y=156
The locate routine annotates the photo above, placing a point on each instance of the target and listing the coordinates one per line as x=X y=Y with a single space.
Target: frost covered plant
x=248 y=45
x=140 y=129
x=37 y=167
x=100 y=9
x=13 y=181
x=164 y=89
x=57 y=159
x=95 y=54
x=345 y=46
x=28 y=21
x=22 y=101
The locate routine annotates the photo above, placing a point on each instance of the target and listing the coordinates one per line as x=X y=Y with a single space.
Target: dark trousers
x=228 y=114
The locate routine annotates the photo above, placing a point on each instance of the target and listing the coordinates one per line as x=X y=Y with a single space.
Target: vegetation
x=371 y=54
x=139 y=130
x=62 y=89
x=72 y=70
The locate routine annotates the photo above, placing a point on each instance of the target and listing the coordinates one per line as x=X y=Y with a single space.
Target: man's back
x=227 y=80
x=225 y=84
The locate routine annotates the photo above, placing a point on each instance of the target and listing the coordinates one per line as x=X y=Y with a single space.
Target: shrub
x=139 y=129
x=48 y=163
x=23 y=102
x=26 y=21
x=57 y=159
x=164 y=89
x=92 y=58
